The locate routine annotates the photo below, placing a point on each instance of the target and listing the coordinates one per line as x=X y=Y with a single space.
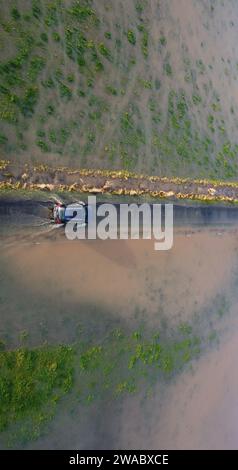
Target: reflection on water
x=56 y=290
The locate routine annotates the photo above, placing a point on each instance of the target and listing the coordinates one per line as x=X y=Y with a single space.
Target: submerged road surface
x=19 y=211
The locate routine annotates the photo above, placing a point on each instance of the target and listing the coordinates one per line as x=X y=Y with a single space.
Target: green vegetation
x=15 y=14
x=56 y=36
x=163 y=41
x=146 y=84
x=33 y=381
x=108 y=35
x=132 y=138
x=31 y=384
x=104 y=51
x=168 y=69
x=55 y=55
x=65 y=91
x=3 y=139
x=43 y=145
x=28 y=102
x=144 y=41
x=131 y=37
x=197 y=99
x=136 y=358
x=111 y=90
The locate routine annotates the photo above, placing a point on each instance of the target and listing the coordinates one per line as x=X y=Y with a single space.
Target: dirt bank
x=47 y=178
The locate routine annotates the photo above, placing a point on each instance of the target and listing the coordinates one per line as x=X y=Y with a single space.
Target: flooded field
x=153 y=336
x=111 y=344
x=132 y=84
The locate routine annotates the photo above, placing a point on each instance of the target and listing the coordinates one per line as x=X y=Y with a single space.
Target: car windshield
x=61 y=213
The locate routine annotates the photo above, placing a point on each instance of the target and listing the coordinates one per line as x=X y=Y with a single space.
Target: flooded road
x=53 y=291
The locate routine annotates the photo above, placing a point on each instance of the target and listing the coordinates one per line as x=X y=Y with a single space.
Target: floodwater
x=53 y=289
x=196 y=39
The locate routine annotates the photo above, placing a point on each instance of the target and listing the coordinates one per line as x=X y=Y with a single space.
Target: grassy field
x=34 y=381
x=146 y=86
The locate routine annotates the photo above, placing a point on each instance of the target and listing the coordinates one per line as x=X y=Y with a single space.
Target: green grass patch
x=65 y=91
x=131 y=37
x=163 y=41
x=104 y=51
x=31 y=384
x=33 y=381
x=168 y=69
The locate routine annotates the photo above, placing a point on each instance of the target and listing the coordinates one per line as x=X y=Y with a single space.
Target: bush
x=108 y=35
x=44 y=37
x=3 y=139
x=50 y=109
x=56 y=36
x=65 y=91
x=168 y=69
x=163 y=41
x=43 y=145
x=36 y=10
x=131 y=37
x=28 y=102
x=104 y=51
x=15 y=14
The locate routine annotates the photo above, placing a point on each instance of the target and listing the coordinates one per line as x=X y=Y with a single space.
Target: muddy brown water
x=52 y=288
